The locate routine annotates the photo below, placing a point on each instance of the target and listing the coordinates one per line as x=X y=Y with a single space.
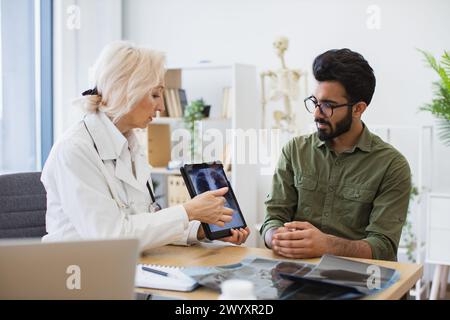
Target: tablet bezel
x=211 y=235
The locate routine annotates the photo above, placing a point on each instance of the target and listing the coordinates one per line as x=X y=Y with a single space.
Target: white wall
x=81 y=29
x=243 y=31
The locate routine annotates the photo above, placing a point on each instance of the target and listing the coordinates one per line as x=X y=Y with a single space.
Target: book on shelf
x=175 y=101
x=227 y=102
x=170 y=103
x=167 y=103
x=183 y=100
x=226 y=158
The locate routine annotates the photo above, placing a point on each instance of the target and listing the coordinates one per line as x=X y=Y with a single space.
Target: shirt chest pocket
x=307 y=194
x=354 y=205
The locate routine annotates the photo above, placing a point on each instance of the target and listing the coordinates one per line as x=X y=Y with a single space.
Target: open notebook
x=163 y=277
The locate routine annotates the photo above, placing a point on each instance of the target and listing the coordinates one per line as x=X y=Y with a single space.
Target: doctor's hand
x=209 y=207
x=238 y=236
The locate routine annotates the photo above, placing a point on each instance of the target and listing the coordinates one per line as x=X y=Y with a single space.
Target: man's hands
x=237 y=236
x=300 y=240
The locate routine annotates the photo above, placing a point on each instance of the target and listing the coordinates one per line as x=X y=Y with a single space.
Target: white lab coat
x=95 y=195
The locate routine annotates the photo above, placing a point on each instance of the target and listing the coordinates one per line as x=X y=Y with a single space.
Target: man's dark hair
x=350 y=69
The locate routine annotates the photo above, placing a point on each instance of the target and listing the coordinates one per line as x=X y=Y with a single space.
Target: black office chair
x=22 y=206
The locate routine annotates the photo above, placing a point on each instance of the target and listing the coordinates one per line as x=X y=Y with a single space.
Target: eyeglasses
x=326 y=108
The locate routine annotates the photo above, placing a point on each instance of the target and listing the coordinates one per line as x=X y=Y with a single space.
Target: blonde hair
x=123 y=74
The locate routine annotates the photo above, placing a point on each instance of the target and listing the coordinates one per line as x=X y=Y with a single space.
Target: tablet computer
x=204 y=177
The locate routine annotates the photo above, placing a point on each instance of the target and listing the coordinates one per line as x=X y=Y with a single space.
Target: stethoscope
x=154 y=206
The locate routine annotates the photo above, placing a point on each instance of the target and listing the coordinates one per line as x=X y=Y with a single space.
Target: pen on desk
x=161 y=273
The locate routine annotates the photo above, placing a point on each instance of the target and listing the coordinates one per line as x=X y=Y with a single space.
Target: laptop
x=99 y=269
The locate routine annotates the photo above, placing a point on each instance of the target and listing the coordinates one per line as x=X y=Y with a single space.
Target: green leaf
x=440 y=104
x=430 y=60
x=445 y=60
x=444 y=131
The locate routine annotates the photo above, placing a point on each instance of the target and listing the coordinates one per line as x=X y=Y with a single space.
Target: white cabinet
x=438 y=229
x=438 y=242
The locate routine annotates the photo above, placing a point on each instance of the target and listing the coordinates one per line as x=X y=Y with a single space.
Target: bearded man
x=341 y=190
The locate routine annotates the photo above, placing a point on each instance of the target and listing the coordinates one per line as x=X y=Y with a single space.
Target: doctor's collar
x=109 y=140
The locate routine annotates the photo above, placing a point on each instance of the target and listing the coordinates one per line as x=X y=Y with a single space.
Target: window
x=25 y=84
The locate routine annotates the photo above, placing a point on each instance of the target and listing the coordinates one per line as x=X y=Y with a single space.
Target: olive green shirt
x=360 y=194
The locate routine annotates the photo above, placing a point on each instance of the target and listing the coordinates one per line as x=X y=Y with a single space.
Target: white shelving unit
x=208 y=82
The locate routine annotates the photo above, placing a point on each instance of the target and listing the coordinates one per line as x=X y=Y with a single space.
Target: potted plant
x=440 y=104
x=193 y=113
x=440 y=108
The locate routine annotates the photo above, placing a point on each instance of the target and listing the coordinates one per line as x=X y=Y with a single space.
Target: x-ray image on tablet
x=204 y=177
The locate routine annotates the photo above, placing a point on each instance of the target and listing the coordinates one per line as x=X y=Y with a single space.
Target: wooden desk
x=213 y=254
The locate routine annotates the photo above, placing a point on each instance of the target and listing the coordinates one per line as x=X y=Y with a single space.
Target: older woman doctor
x=97 y=177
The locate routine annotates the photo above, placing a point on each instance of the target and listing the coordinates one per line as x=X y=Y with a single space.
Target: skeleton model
x=283 y=84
